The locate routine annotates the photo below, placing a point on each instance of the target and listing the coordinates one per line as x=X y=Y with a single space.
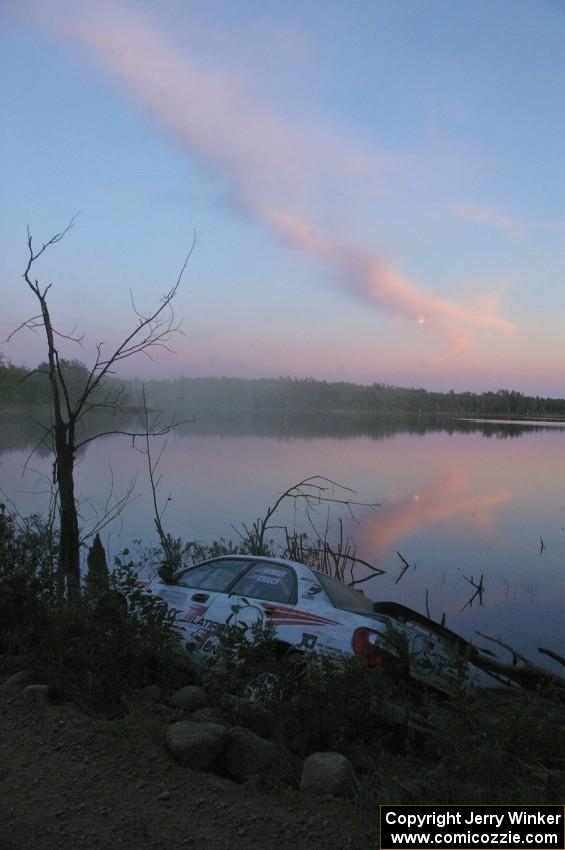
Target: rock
x=18 y=681
x=205 y=715
x=253 y=715
x=38 y=694
x=191 y=698
x=328 y=773
x=247 y=754
x=151 y=692
x=164 y=795
x=196 y=745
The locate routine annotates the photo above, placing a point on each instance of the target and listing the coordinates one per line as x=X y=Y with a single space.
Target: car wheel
x=265 y=682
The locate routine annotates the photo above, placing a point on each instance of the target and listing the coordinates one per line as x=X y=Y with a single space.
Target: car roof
x=267 y=558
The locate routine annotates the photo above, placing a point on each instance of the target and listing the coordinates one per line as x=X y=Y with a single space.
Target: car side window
x=342 y=596
x=215 y=575
x=272 y=582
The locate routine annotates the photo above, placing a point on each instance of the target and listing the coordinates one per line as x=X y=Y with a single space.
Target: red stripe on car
x=277 y=614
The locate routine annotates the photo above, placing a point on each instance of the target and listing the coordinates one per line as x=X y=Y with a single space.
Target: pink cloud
x=375 y=279
x=491 y=218
x=274 y=170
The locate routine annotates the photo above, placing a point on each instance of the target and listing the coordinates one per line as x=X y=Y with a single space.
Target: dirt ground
x=69 y=782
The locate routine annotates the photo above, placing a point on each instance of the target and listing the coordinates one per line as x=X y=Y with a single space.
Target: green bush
x=94 y=650
x=28 y=581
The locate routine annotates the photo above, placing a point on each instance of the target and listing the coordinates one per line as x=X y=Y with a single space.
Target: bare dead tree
x=312 y=493
x=152 y=330
x=332 y=558
x=151 y=426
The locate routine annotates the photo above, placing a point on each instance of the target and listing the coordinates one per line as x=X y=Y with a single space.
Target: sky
x=376 y=187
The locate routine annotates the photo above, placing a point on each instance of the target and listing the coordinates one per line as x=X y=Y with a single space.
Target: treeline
x=21 y=386
x=309 y=395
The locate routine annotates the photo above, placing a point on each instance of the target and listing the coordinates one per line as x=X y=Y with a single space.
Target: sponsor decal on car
x=244 y=616
x=195 y=612
x=308 y=641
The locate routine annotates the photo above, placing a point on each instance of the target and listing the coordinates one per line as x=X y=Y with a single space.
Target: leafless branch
x=160 y=432
x=527 y=674
x=29 y=324
x=516 y=656
x=479 y=590
x=33 y=372
x=53 y=241
x=70 y=336
x=551 y=654
x=112 y=510
x=40 y=442
x=404 y=568
x=152 y=330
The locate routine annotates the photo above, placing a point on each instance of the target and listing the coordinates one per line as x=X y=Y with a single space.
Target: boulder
x=151 y=693
x=328 y=773
x=38 y=694
x=247 y=754
x=206 y=715
x=18 y=681
x=196 y=745
x=190 y=698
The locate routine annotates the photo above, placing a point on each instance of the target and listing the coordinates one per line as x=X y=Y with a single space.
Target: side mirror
x=166 y=572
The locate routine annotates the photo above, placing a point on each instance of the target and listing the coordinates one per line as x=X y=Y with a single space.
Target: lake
x=457 y=499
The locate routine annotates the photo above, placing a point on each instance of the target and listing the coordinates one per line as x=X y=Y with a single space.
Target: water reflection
x=449 y=497
x=19 y=431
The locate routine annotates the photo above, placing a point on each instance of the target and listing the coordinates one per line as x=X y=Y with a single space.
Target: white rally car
x=314 y=613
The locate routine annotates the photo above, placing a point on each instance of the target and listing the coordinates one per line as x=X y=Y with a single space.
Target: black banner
x=473 y=827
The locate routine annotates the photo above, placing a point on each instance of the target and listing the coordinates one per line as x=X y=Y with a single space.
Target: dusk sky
x=376 y=186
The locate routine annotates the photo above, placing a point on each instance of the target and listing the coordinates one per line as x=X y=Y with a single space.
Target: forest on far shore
x=22 y=387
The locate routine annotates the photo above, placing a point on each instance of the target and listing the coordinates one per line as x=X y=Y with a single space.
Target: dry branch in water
x=312 y=492
x=479 y=590
x=522 y=670
x=406 y=566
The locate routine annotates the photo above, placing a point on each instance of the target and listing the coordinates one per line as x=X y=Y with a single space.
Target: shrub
x=94 y=650
x=28 y=581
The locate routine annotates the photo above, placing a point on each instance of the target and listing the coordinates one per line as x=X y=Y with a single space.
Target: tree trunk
x=69 y=551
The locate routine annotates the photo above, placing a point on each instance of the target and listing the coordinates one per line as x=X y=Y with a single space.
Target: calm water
x=456 y=499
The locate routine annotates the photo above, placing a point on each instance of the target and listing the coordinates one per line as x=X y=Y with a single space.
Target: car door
x=288 y=597
x=199 y=597
x=259 y=595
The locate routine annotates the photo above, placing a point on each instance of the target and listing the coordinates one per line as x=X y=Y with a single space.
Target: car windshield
x=214 y=575
x=272 y=582
x=342 y=596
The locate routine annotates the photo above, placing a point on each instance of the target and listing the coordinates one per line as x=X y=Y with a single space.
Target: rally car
x=314 y=613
